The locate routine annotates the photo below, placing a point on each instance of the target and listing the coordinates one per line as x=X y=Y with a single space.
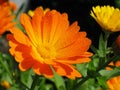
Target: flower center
x=46 y=51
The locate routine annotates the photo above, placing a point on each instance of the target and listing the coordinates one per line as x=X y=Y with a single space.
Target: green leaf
x=58 y=81
x=89 y=85
x=19 y=26
x=82 y=68
x=13 y=88
x=93 y=48
x=96 y=60
x=19 y=10
x=40 y=84
x=110 y=73
x=102 y=49
x=102 y=82
x=26 y=77
x=117 y=3
x=93 y=65
x=70 y=84
x=5 y=65
x=48 y=87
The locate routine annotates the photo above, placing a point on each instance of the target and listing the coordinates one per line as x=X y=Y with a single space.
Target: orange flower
x=116 y=64
x=2 y=1
x=5 y=18
x=114 y=83
x=49 y=42
x=11 y=4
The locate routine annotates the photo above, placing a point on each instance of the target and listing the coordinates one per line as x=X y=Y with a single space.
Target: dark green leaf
x=110 y=73
x=102 y=82
x=26 y=78
x=89 y=85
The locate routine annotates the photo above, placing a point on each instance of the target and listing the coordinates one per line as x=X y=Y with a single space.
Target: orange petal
x=18 y=50
x=79 y=47
x=117 y=63
x=26 y=22
x=6 y=20
x=42 y=68
x=74 y=60
x=59 y=23
x=68 y=37
x=46 y=27
x=36 y=23
x=13 y=43
x=66 y=70
x=20 y=36
x=26 y=64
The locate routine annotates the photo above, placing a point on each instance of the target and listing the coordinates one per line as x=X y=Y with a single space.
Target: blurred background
x=78 y=10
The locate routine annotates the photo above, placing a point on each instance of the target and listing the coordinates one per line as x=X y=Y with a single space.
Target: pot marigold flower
x=11 y=4
x=49 y=41
x=107 y=17
x=5 y=18
x=114 y=83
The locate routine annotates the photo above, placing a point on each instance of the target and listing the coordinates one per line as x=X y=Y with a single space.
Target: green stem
x=107 y=34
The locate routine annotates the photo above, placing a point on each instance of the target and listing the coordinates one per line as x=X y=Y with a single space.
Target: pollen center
x=46 y=51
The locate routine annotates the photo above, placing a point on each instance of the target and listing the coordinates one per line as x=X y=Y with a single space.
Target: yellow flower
x=107 y=17
x=5 y=84
x=49 y=42
x=31 y=13
x=114 y=83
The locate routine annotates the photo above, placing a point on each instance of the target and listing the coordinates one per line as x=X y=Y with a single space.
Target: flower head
x=49 y=41
x=107 y=17
x=114 y=83
x=5 y=17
